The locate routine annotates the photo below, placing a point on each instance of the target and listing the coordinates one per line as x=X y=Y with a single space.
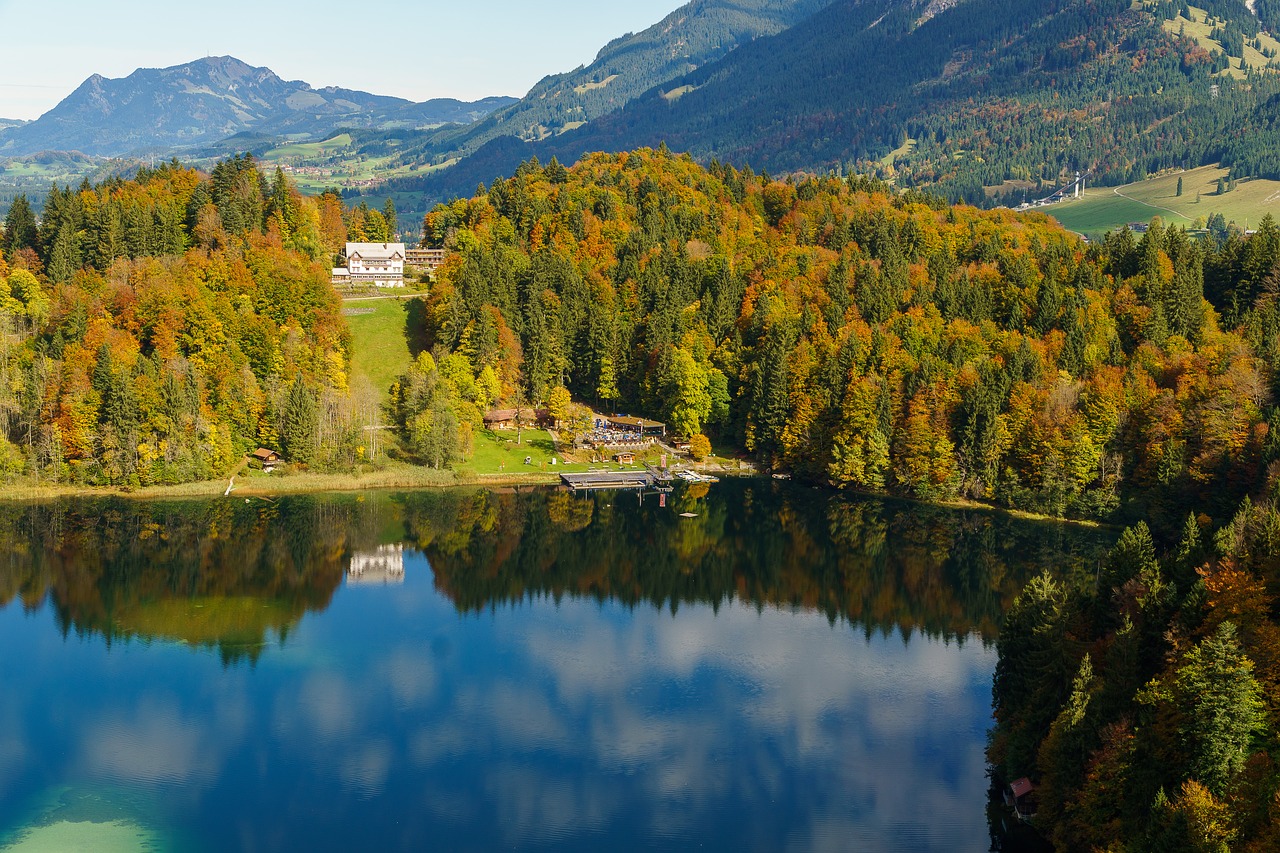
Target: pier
x=608 y=480
x=637 y=479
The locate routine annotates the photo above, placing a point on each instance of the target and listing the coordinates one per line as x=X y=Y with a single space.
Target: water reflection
x=545 y=670
x=881 y=565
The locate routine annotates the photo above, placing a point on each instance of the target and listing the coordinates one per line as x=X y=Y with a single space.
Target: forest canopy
x=152 y=330
x=873 y=339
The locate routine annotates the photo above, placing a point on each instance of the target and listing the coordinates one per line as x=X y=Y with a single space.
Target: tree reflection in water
x=233 y=575
x=883 y=565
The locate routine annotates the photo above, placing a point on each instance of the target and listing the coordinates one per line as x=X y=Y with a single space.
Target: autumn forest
x=859 y=337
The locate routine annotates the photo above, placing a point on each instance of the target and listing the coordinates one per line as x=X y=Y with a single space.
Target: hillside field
x=380 y=346
x=1104 y=209
x=1200 y=27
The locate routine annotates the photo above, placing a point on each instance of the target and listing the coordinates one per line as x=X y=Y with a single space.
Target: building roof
x=510 y=414
x=264 y=454
x=1021 y=787
x=376 y=251
x=639 y=423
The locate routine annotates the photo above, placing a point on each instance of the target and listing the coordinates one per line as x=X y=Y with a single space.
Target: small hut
x=501 y=419
x=624 y=458
x=264 y=458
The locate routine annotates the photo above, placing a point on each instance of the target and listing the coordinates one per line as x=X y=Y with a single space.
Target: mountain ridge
x=690 y=37
x=968 y=94
x=209 y=99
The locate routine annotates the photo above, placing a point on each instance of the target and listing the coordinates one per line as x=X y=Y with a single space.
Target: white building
x=377 y=264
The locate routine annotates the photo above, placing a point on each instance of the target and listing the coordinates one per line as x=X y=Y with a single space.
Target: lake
x=476 y=670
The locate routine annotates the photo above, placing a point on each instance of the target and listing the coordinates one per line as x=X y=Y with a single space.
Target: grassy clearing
x=1198 y=27
x=677 y=93
x=588 y=87
x=1102 y=209
x=898 y=153
x=498 y=453
x=1009 y=188
x=380 y=348
x=326 y=148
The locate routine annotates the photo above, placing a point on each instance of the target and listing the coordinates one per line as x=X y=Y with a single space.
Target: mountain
x=692 y=36
x=210 y=99
x=961 y=95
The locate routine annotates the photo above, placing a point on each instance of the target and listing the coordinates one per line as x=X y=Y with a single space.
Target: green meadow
x=379 y=342
x=1104 y=209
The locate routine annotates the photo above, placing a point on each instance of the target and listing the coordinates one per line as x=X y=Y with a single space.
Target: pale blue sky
x=415 y=50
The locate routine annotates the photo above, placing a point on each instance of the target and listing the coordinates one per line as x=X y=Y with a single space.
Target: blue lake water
x=478 y=671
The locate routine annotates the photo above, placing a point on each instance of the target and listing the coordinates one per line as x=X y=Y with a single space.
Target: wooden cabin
x=264 y=458
x=497 y=419
x=624 y=458
x=500 y=419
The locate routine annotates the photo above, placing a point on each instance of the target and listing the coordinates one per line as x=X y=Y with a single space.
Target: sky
x=415 y=50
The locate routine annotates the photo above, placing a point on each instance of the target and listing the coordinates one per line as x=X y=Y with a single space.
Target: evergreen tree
x=389 y=216
x=1221 y=707
x=299 y=423
x=20 y=230
x=64 y=260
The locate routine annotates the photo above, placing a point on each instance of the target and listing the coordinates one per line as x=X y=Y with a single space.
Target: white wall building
x=377 y=264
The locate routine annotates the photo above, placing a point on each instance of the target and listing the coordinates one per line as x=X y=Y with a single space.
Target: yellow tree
x=558 y=402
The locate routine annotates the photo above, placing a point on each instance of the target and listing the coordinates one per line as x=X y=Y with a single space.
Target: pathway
x=1149 y=204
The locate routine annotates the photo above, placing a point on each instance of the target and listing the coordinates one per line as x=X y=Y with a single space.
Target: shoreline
x=285 y=484
x=410 y=478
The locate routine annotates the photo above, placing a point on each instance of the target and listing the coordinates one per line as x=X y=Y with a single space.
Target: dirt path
x=1149 y=204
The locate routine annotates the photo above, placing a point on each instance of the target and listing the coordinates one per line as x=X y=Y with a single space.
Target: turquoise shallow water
x=478 y=671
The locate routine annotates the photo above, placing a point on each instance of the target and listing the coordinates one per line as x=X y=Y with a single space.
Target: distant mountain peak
x=210 y=99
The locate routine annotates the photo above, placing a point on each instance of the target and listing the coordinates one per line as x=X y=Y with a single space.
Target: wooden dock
x=608 y=480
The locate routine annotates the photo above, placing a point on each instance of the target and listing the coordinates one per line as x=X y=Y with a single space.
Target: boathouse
x=1021 y=794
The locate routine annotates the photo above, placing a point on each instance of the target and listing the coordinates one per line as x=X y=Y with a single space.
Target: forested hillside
x=153 y=330
x=1144 y=699
x=985 y=91
x=156 y=328
x=877 y=341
